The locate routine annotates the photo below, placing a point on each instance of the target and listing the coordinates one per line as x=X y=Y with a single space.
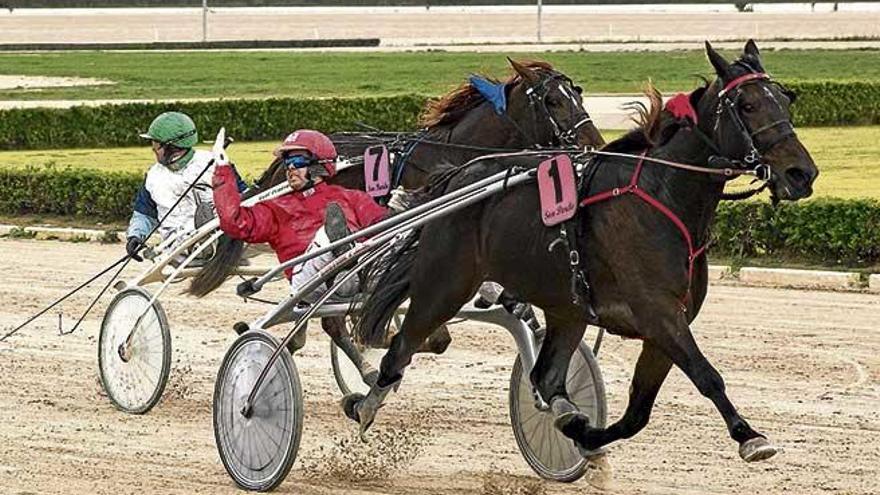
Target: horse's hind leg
x=334 y=326
x=429 y=308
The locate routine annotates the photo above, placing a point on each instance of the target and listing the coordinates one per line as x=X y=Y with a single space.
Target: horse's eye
x=748 y=107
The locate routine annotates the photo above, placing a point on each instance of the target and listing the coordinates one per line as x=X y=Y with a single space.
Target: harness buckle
x=752 y=157
x=574 y=258
x=763 y=172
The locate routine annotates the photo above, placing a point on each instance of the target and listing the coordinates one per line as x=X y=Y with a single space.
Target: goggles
x=297 y=161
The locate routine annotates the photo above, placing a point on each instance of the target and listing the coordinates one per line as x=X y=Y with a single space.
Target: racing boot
x=336 y=227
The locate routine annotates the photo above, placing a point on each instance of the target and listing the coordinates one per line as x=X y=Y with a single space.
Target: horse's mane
x=654 y=126
x=454 y=105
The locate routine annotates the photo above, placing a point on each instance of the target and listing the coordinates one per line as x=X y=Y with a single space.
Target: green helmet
x=176 y=134
x=173 y=128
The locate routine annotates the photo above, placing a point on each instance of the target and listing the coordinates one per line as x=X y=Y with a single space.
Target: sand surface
x=803 y=367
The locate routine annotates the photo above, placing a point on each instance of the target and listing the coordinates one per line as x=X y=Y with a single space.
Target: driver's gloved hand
x=133 y=246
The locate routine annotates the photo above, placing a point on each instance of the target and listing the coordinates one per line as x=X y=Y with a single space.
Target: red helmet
x=315 y=143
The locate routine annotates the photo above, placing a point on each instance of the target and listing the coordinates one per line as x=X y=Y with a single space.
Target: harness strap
x=401 y=161
x=633 y=188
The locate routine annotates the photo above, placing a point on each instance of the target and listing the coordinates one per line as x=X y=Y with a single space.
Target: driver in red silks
x=315 y=213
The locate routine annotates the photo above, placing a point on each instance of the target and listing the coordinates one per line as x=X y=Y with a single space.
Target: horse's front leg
x=565 y=329
x=674 y=338
x=651 y=371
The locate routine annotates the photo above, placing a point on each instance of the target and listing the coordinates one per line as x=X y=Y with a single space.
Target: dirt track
x=803 y=367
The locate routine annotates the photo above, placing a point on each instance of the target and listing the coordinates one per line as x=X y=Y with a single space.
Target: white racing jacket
x=161 y=189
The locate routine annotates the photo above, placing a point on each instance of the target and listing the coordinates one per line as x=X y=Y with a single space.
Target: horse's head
x=752 y=124
x=549 y=104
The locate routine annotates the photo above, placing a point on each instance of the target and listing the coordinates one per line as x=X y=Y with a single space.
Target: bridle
x=728 y=100
x=537 y=97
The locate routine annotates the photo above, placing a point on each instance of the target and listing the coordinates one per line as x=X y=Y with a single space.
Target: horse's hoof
x=757 y=449
x=591 y=454
x=371 y=377
x=349 y=406
x=599 y=473
x=298 y=341
x=572 y=424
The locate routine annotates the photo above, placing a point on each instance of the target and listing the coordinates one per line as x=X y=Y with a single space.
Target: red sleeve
x=251 y=224
x=365 y=208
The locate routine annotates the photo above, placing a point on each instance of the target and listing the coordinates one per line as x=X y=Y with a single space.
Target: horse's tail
x=387 y=285
x=387 y=281
x=212 y=275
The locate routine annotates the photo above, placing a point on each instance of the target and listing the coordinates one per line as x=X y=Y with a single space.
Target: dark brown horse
x=648 y=276
x=543 y=109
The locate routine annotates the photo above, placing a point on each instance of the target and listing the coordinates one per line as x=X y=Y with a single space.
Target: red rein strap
x=633 y=188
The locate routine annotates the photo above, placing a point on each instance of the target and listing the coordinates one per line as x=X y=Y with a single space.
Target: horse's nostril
x=797 y=177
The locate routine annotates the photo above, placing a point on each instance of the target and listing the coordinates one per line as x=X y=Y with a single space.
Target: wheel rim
x=136 y=384
x=550 y=453
x=257 y=450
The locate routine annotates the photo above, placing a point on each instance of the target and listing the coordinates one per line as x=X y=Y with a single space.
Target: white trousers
x=306 y=271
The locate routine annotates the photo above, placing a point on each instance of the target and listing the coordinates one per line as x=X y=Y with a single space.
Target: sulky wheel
x=134 y=374
x=346 y=373
x=550 y=453
x=259 y=448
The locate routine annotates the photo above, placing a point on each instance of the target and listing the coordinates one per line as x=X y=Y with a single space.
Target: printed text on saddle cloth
x=376 y=171
x=557 y=189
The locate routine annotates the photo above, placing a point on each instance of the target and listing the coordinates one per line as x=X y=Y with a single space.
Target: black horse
x=640 y=249
x=543 y=109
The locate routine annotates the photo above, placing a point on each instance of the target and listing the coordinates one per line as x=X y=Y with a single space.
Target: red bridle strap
x=633 y=188
x=741 y=79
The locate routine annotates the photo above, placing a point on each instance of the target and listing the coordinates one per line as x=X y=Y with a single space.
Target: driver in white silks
x=178 y=165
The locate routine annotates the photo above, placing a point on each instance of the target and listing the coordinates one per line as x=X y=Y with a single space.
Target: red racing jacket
x=288 y=223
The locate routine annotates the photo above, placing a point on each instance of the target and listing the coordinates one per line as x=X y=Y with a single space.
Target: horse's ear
x=524 y=72
x=751 y=50
x=718 y=62
x=753 y=56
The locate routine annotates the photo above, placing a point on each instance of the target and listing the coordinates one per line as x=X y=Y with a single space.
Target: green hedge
x=54 y=190
x=824 y=230
x=247 y=120
x=819 y=103
x=836 y=103
x=832 y=231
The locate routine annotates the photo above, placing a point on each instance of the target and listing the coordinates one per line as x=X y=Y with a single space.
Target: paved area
x=410 y=26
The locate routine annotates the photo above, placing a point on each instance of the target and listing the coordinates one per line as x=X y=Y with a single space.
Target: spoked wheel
x=346 y=373
x=134 y=375
x=257 y=449
x=550 y=453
